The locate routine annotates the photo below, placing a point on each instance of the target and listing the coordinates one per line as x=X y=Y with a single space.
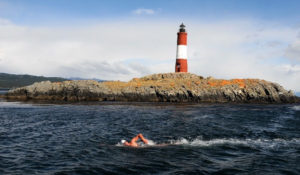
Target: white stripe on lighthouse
x=181 y=51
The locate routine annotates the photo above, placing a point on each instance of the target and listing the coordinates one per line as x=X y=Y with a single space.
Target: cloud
x=293 y=50
x=143 y=11
x=274 y=43
x=99 y=51
x=228 y=49
x=293 y=69
x=4 y=21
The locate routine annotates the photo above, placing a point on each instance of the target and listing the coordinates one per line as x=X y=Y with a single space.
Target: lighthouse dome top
x=182 y=28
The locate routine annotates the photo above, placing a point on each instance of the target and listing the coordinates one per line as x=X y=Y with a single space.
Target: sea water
x=3 y=91
x=185 y=139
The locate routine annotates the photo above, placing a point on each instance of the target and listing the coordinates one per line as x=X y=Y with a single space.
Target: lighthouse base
x=181 y=65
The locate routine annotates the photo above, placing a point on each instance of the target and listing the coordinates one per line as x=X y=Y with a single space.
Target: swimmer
x=133 y=141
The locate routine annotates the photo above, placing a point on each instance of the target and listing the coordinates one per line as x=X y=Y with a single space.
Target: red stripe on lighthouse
x=181 y=38
x=181 y=65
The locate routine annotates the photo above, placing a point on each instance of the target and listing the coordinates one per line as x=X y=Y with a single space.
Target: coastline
x=138 y=103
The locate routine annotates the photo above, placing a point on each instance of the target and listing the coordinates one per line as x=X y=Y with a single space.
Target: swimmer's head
x=123 y=141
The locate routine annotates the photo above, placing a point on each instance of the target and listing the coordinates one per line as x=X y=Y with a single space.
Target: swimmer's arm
x=143 y=139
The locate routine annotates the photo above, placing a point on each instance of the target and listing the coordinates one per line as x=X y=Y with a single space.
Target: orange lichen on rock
x=219 y=83
x=240 y=82
x=135 y=79
x=212 y=83
x=225 y=82
x=172 y=84
x=115 y=84
x=188 y=84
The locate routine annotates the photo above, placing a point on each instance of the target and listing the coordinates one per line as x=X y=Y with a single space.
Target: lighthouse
x=181 y=54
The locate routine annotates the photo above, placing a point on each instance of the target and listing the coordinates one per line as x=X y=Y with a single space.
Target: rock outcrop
x=169 y=87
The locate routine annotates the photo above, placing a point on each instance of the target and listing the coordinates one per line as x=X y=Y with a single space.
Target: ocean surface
x=84 y=138
x=3 y=91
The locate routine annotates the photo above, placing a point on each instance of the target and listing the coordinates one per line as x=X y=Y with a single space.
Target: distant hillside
x=79 y=78
x=8 y=81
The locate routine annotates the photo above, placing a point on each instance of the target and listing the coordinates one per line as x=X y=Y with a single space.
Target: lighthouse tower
x=181 y=55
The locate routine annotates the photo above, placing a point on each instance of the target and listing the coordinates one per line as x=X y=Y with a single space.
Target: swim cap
x=123 y=141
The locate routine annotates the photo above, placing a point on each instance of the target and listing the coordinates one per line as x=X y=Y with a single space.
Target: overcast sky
x=120 y=40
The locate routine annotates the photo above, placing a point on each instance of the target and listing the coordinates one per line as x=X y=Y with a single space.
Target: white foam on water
x=4 y=104
x=150 y=143
x=268 y=143
x=119 y=144
x=203 y=117
x=231 y=141
x=296 y=108
x=199 y=142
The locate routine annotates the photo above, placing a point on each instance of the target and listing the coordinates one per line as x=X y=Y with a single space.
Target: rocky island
x=168 y=87
x=180 y=86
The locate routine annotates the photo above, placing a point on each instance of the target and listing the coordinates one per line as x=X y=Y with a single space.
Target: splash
x=150 y=143
x=296 y=108
x=4 y=104
x=270 y=143
x=231 y=141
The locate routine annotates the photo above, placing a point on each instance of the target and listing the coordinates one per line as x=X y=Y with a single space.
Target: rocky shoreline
x=168 y=87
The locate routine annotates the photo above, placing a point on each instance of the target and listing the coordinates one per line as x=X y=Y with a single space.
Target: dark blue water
x=3 y=91
x=199 y=139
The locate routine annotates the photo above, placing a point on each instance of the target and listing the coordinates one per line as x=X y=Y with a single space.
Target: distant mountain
x=78 y=78
x=8 y=81
x=297 y=94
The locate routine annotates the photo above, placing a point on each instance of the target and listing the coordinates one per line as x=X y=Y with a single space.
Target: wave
x=230 y=141
x=296 y=108
x=8 y=104
x=249 y=142
x=4 y=104
x=150 y=143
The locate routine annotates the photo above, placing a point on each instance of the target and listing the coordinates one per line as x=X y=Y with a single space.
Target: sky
x=123 y=39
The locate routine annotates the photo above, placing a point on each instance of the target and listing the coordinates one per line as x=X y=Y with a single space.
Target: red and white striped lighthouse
x=181 y=55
